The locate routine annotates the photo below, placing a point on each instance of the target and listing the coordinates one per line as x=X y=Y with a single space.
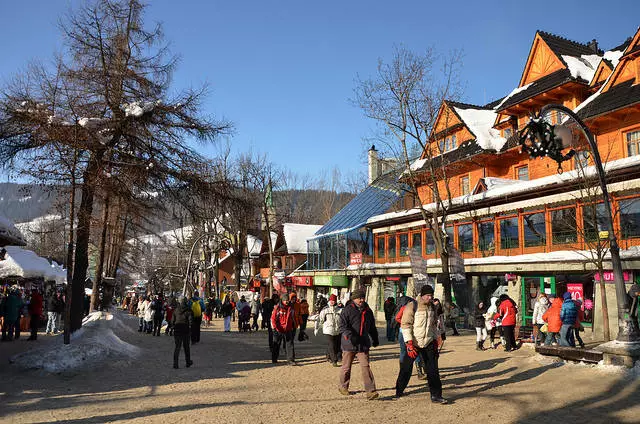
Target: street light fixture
x=539 y=138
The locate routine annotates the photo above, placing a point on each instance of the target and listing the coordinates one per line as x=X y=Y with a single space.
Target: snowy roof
x=296 y=235
x=480 y=123
x=254 y=244
x=9 y=234
x=25 y=263
x=513 y=93
x=583 y=66
x=170 y=237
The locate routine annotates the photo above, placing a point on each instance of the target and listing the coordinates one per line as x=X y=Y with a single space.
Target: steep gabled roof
x=563 y=46
x=617 y=97
x=545 y=83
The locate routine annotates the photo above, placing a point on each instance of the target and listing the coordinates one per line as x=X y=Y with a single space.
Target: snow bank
x=91 y=345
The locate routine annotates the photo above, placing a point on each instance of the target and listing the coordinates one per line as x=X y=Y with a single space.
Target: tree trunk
x=68 y=293
x=83 y=233
x=97 y=282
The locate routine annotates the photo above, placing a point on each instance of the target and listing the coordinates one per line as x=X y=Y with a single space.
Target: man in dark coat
x=389 y=308
x=35 y=312
x=182 y=319
x=359 y=334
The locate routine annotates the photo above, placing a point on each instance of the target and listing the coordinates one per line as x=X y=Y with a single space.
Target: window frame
x=550 y=229
x=636 y=143
x=523 y=242
x=517 y=169
x=519 y=225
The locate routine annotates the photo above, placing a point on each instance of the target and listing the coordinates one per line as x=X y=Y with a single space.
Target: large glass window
x=392 y=246
x=465 y=238
x=416 y=242
x=633 y=143
x=430 y=244
x=594 y=222
x=404 y=244
x=449 y=231
x=381 y=250
x=509 y=238
x=486 y=238
x=630 y=217
x=563 y=226
x=534 y=230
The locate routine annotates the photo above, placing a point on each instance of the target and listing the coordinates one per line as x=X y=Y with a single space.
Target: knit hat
x=333 y=297
x=357 y=294
x=426 y=289
x=566 y=296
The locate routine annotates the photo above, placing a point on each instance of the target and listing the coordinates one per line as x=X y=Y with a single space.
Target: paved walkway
x=233 y=380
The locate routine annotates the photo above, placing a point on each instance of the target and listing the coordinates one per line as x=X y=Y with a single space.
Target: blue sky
x=283 y=71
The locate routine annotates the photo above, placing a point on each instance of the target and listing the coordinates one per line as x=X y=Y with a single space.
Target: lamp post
x=219 y=245
x=539 y=139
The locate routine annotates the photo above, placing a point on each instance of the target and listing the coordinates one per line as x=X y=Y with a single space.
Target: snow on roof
x=9 y=231
x=480 y=122
x=254 y=244
x=170 y=237
x=584 y=66
x=296 y=235
x=494 y=182
x=25 y=263
x=517 y=188
x=614 y=56
x=513 y=93
x=419 y=163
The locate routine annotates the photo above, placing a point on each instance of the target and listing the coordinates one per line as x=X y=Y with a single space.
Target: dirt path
x=233 y=380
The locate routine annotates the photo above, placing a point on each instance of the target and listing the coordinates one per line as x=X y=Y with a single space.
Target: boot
x=478 y=346
x=482 y=345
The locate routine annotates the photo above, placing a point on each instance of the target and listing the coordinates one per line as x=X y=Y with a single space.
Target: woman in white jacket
x=329 y=318
x=141 y=312
x=148 y=316
x=493 y=324
x=539 y=308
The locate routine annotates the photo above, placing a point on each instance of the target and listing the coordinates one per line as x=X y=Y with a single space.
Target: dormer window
x=449 y=143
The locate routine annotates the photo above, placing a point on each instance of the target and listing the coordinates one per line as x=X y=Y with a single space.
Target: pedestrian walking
x=359 y=334
x=399 y=311
x=495 y=324
x=35 y=312
x=578 y=326
x=329 y=320
x=389 y=307
x=420 y=330
x=267 y=310
x=148 y=316
x=197 y=307
x=568 y=316
x=283 y=324
x=255 y=311
x=479 y=323
x=454 y=312
x=539 y=309
x=553 y=321
x=304 y=317
x=52 y=301
x=507 y=312
x=157 y=306
x=170 y=309
x=11 y=312
x=182 y=319
x=208 y=312
x=226 y=310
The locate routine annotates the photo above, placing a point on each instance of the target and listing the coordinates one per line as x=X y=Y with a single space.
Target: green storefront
x=333 y=281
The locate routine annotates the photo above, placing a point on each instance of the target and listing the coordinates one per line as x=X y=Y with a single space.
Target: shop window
x=563 y=226
x=509 y=238
x=404 y=244
x=594 y=222
x=392 y=246
x=416 y=242
x=633 y=143
x=430 y=244
x=449 y=232
x=465 y=238
x=630 y=217
x=464 y=185
x=381 y=249
x=486 y=236
x=522 y=173
x=535 y=230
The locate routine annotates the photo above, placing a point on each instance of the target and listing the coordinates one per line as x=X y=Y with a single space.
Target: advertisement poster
x=577 y=292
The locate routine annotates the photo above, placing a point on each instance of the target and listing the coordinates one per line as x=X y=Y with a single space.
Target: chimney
x=373 y=163
x=593 y=45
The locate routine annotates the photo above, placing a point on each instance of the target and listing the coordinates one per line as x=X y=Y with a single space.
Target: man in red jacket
x=283 y=324
x=35 y=311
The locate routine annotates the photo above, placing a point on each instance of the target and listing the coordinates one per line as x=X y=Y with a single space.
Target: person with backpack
x=507 y=312
x=197 y=306
x=329 y=319
x=283 y=324
x=359 y=334
x=419 y=327
x=181 y=320
x=398 y=312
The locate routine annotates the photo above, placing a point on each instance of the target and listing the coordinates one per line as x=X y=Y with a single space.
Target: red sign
x=609 y=278
x=577 y=292
x=355 y=259
x=302 y=281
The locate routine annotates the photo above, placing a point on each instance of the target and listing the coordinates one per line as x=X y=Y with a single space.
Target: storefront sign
x=577 y=292
x=418 y=269
x=302 y=281
x=609 y=277
x=355 y=259
x=388 y=278
x=331 y=280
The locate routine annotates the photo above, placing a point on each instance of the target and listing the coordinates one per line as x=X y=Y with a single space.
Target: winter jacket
x=478 y=316
x=419 y=323
x=304 y=308
x=241 y=304
x=389 y=307
x=51 y=303
x=329 y=319
x=492 y=310
x=267 y=309
x=569 y=312
x=59 y=304
x=357 y=325
x=507 y=312
x=226 y=309
x=540 y=307
x=552 y=316
x=142 y=308
x=36 y=304
x=12 y=307
x=197 y=299
x=156 y=308
x=580 y=316
x=182 y=318
x=255 y=307
x=282 y=318
x=148 y=312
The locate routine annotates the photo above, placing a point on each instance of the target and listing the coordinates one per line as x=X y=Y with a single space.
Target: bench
x=571 y=353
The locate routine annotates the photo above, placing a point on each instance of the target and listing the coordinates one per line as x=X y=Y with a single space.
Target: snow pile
x=513 y=93
x=584 y=66
x=25 y=263
x=8 y=230
x=480 y=123
x=295 y=235
x=91 y=345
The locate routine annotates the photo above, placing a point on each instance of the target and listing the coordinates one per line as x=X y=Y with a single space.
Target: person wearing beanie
x=419 y=327
x=359 y=334
x=283 y=325
x=329 y=319
x=568 y=316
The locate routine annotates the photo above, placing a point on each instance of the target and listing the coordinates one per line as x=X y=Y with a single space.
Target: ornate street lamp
x=539 y=138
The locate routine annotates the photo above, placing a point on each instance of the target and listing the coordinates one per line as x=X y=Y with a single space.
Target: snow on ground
x=92 y=344
x=599 y=367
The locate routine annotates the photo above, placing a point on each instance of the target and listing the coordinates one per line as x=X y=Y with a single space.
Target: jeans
x=141 y=324
x=429 y=356
x=333 y=347
x=550 y=338
x=576 y=333
x=227 y=323
x=367 y=375
x=195 y=329
x=51 y=322
x=391 y=330
x=566 y=339
x=181 y=339
x=285 y=339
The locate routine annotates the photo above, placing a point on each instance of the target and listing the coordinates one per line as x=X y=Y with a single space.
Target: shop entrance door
x=532 y=287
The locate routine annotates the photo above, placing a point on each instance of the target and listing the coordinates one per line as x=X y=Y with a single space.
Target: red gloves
x=411 y=350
